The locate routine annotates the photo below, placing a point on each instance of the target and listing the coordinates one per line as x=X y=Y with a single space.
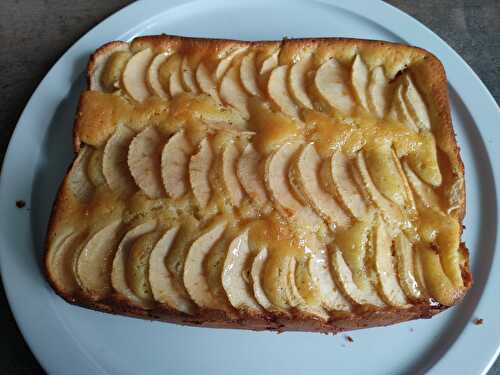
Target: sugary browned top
x=262 y=178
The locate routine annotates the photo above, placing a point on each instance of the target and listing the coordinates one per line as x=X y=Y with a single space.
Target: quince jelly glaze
x=254 y=179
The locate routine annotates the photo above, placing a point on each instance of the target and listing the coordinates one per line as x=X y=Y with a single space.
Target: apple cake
x=303 y=184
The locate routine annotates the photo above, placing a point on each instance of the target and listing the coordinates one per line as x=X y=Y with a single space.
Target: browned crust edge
x=432 y=80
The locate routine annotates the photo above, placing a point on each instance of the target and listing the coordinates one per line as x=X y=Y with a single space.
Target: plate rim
x=474 y=96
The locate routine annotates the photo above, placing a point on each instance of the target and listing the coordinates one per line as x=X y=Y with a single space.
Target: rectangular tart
x=303 y=184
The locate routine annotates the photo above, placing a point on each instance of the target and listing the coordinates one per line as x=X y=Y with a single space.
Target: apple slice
x=248 y=74
x=60 y=261
x=269 y=63
x=134 y=75
x=255 y=273
x=278 y=91
x=377 y=92
x=119 y=272
x=94 y=168
x=170 y=76
x=300 y=283
x=390 y=211
x=297 y=81
x=438 y=284
x=94 y=264
x=195 y=279
x=102 y=62
x=345 y=185
x=344 y=277
x=114 y=161
x=232 y=93
x=237 y=288
x=405 y=265
x=153 y=79
x=384 y=173
x=175 y=164
x=401 y=110
x=306 y=170
x=274 y=278
x=78 y=179
x=163 y=286
x=206 y=82
x=144 y=162
x=331 y=297
x=276 y=178
x=187 y=77
x=199 y=168
x=359 y=80
x=385 y=268
x=230 y=156
x=225 y=63
x=424 y=192
x=424 y=162
x=138 y=265
x=248 y=175
x=331 y=81
x=415 y=104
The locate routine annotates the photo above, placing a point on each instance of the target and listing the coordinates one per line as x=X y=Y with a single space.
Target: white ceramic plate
x=68 y=339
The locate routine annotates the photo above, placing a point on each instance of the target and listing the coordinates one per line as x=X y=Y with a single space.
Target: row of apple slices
x=238 y=75
x=183 y=269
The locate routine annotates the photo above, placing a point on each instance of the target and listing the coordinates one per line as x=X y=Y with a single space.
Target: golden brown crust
x=431 y=82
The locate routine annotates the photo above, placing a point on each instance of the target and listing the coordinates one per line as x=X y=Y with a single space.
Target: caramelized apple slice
x=114 y=161
x=163 y=285
x=78 y=179
x=60 y=261
x=110 y=62
x=385 y=174
x=199 y=168
x=415 y=104
x=406 y=268
x=119 y=269
x=248 y=74
x=206 y=82
x=256 y=272
x=401 y=110
x=248 y=175
x=138 y=265
x=237 y=288
x=174 y=165
x=438 y=284
x=276 y=178
x=231 y=91
x=359 y=80
x=423 y=160
x=153 y=79
x=345 y=186
x=144 y=162
x=344 y=277
x=424 y=192
x=377 y=88
x=187 y=77
x=169 y=75
x=297 y=82
x=331 y=297
x=232 y=186
x=269 y=63
x=390 y=211
x=134 y=75
x=278 y=91
x=195 y=279
x=94 y=264
x=274 y=278
x=225 y=63
x=94 y=168
x=331 y=81
x=385 y=267
x=306 y=170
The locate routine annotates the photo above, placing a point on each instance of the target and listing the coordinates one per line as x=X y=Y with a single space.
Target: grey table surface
x=34 y=34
